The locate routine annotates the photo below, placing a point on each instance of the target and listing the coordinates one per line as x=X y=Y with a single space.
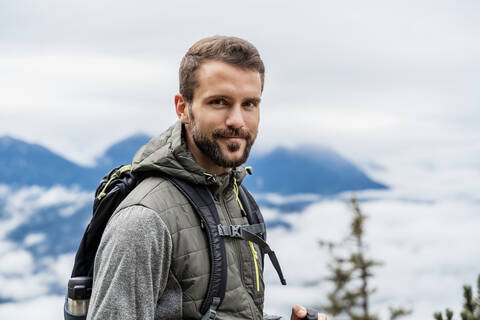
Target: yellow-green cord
x=115 y=175
x=255 y=257
x=235 y=190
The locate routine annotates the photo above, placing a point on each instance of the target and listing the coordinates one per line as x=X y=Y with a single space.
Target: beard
x=210 y=147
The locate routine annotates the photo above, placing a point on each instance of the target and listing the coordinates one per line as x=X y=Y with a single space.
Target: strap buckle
x=236 y=231
x=211 y=314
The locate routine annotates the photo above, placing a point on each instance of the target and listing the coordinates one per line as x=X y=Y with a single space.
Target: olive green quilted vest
x=190 y=265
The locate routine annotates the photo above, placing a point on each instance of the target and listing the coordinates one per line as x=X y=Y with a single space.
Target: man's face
x=224 y=113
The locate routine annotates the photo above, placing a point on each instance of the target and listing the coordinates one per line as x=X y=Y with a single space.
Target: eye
x=250 y=104
x=219 y=101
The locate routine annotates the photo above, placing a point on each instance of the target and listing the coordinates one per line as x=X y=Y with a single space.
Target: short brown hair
x=230 y=50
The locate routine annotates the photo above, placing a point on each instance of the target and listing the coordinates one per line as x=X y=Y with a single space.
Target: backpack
x=114 y=187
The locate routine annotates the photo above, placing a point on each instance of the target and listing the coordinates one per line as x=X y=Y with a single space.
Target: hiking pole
x=313 y=314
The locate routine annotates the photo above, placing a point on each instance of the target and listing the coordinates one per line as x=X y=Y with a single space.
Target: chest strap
x=250 y=233
x=235 y=231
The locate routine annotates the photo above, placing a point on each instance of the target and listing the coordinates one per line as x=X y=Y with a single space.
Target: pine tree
x=471 y=306
x=350 y=272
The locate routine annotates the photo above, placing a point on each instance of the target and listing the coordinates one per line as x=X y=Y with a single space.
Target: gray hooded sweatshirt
x=153 y=259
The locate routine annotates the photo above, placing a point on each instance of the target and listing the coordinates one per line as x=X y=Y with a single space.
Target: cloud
x=33 y=239
x=41 y=308
x=67 y=85
x=421 y=230
x=426 y=248
x=369 y=79
x=23 y=276
x=18 y=262
x=20 y=205
x=23 y=287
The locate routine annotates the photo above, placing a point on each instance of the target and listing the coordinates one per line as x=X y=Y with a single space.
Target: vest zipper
x=255 y=257
x=238 y=252
x=254 y=253
x=235 y=243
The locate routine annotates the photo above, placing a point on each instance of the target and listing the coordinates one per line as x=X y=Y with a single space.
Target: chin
x=233 y=159
x=234 y=155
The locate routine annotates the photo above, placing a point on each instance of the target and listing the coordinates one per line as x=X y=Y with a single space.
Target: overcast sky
x=378 y=81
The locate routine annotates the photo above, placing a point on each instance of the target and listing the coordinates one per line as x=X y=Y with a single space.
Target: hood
x=168 y=153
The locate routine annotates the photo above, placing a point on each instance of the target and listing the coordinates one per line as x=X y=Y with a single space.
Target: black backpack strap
x=247 y=235
x=202 y=201
x=252 y=210
x=250 y=233
x=253 y=213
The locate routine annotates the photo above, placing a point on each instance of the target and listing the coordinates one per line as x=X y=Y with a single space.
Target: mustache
x=232 y=132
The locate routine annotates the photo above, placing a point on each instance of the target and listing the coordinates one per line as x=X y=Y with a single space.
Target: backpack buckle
x=212 y=314
x=212 y=311
x=236 y=231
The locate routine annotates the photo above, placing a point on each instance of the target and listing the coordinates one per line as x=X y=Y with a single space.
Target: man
x=153 y=260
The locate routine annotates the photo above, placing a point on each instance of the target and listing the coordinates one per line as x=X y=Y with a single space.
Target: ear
x=181 y=109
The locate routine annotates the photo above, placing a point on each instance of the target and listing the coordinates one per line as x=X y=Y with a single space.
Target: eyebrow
x=253 y=99
x=219 y=96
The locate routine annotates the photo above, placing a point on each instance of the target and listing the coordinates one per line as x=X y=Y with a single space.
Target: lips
x=233 y=139
x=232 y=134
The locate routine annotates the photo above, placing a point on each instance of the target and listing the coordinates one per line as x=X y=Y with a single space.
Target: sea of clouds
x=26 y=282
x=422 y=230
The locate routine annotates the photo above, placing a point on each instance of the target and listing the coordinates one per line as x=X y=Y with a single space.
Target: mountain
x=122 y=152
x=306 y=170
x=25 y=164
x=45 y=225
x=301 y=170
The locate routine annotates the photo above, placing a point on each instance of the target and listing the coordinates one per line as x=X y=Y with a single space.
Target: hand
x=299 y=312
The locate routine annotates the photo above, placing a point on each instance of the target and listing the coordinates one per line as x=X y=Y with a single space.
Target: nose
x=235 y=117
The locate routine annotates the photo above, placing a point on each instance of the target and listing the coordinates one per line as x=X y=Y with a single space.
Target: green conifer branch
x=350 y=273
x=471 y=306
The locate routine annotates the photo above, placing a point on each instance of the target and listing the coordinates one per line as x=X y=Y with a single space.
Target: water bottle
x=78 y=297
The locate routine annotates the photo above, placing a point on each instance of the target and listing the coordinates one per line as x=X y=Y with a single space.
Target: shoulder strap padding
x=204 y=204
x=254 y=215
